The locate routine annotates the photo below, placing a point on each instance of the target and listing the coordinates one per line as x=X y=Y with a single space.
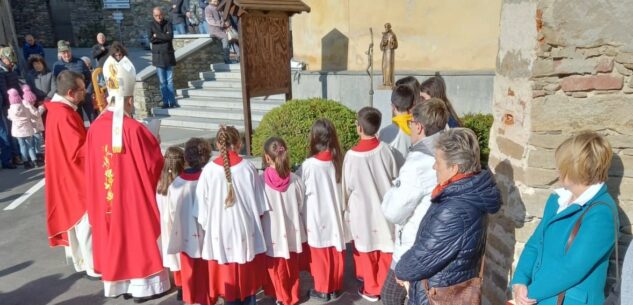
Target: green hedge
x=480 y=124
x=292 y=122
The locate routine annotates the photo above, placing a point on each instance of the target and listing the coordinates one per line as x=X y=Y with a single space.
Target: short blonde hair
x=460 y=147
x=584 y=158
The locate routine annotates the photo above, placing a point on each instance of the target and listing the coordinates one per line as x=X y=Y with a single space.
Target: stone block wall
x=135 y=22
x=557 y=73
x=194 y=57
x=32 y=17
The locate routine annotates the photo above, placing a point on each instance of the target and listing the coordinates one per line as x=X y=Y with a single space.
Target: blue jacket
x=76 y=65
x=451 y=237
x=28 y=50
x=582 y=272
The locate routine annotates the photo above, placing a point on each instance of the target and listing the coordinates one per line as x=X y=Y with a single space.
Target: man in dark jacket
x=163 y=58
x=100 y=50
x=69 y=62
x=32 y=47
x=9 y=79
x=451 y=238
x=178 y=10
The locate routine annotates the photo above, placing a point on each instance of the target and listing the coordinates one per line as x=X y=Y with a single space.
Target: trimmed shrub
x=480 y=124
x=292 y=122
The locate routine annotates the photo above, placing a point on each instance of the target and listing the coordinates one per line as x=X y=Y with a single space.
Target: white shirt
x=232 y=234
x=186 y=234
x=283 y=226
x=367 y=177
x=60 y=99
x=323 y=209
x=564 y=196
x=171 y=261
x=397 y=140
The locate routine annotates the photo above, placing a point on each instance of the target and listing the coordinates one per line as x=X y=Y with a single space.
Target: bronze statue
x=388 y=45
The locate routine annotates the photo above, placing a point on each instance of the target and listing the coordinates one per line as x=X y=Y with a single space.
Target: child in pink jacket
x=22 y=127
x=29 y=100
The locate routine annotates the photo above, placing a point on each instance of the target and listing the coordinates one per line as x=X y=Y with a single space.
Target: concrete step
x=227 y=83
x=232 y=103
x=209 y=113
x=211 y=75
x=225 y=67
x=221 y=93
x=201 y=123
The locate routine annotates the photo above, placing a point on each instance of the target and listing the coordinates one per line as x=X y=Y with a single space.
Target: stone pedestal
x=382 y=102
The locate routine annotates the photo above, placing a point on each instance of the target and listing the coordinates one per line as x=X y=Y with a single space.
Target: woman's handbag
x=232 y=34
x=465 y=293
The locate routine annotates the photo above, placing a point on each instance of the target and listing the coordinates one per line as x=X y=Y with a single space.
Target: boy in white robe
x=368 y=170
x=397 y=134
x=406 y=203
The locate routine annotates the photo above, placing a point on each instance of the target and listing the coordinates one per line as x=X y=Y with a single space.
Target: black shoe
x=319 y=296
x=28 y=165
x=39 y=163
x=335 y=295
x=17 y=160
x=9 y=166
x=179 y=295
x=175 y=106
x=165 y=106
x=93 y=278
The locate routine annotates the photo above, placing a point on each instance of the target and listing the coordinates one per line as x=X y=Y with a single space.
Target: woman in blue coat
x=546 y=268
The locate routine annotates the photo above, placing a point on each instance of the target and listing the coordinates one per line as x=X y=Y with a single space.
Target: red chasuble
x=64 y=172
x=122 y=200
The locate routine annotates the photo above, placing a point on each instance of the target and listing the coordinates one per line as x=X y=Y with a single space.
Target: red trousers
x=327 y=266
x=372 y=267
x=195 y=280
x=283 y=275
x=236 y=282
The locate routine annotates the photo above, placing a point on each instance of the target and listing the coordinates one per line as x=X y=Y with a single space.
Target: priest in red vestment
x=66 y=218
x=123 y=164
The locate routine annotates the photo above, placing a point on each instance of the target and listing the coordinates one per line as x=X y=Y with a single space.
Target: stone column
x=563 y=66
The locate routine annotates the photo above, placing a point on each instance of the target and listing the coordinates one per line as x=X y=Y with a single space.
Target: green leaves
x=292 y=122
x=480 y=124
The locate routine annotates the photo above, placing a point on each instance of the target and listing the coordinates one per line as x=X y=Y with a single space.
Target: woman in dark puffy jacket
x=451 y=238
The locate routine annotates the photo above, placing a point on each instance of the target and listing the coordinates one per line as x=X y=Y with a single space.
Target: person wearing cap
x=32 y=47
x=69 y=62
x=123 y=165
x=163 y=56
x=66 y=215
x=9 y=79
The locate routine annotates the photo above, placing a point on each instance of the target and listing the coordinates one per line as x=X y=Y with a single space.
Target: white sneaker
x=367 y=297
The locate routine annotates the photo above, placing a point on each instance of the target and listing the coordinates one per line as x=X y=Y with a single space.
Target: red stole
x=366 y=145
x=234 y=159
x=325 y=155
x=64 y=172
x=440 y=187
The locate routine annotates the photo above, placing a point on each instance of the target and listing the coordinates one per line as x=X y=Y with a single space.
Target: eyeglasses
x=410 y=122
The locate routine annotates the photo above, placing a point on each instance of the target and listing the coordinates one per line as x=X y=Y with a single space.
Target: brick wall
x=557 y=73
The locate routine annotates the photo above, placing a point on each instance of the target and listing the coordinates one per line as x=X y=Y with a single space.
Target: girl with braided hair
x=173 y=166
x=284 y=230
x=230 y=203
x=323 y=210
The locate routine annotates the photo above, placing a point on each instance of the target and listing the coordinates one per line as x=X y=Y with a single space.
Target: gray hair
x=461 y=147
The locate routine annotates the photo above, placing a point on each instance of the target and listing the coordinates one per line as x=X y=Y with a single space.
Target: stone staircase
x=213 y=100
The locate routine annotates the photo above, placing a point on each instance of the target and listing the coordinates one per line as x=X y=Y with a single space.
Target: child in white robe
x=368 y=170
x=323 y=211
x=173 y=166
x=283 y=226
x=186 y=234
x=397 y=135
x=229 y=203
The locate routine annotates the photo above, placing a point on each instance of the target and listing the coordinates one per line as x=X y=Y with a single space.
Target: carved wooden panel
x=265 y=53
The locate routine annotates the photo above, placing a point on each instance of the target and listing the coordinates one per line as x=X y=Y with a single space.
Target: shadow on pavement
x=92 y=299
x=40 y=291
x=15 y=268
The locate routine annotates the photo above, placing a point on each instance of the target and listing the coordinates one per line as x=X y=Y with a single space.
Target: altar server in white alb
x=406 y=203
x=368 y=170
x=186 y=234
x=174 y=164
x=230 y=201
x=284 y=230
x=323 y=210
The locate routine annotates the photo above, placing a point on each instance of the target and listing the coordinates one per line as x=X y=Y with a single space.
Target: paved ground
x=34 y=274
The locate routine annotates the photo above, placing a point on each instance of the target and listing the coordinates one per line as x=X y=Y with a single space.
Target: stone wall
x=558 y=72
x=191 y=59
x=33 y=17
x=135 y=22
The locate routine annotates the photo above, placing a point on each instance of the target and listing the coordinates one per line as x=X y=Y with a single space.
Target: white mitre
x=120 y=77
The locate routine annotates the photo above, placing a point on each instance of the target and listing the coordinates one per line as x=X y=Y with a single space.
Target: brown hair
x=432 y=114
x=277 y=150
x=584 y=158
x=37 y=58
x=173 y=166
x=197 y=152
x=369 y=119
x=67 y=80
x=436 y=87
x=117 y=47
x=228 y=138
x=323 y=137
